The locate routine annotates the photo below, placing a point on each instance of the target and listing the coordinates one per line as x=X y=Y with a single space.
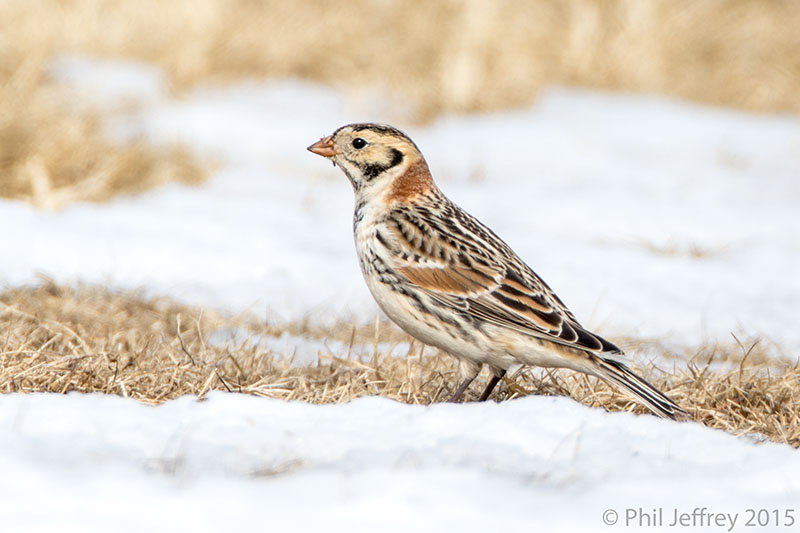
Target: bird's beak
x=324 y=147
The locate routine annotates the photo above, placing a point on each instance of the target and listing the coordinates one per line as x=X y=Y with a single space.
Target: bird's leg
x=468 y=371
x=495 y=379
x=461 y=390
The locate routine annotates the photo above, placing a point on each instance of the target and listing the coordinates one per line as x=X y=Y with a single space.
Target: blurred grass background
x=434 y=56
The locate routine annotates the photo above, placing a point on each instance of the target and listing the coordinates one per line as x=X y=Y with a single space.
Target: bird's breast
x=366 y=225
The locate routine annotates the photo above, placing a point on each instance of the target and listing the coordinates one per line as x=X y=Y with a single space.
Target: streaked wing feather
x=505 y=293
x=457 y=280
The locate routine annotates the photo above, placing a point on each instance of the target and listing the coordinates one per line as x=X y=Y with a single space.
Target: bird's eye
x=359 y=143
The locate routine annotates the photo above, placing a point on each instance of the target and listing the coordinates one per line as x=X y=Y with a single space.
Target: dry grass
x=434 y=57
x=87 y=339
x=452 y=55
x=52 y=156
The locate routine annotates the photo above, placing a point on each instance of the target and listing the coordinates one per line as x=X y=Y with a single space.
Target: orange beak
x=323 y=147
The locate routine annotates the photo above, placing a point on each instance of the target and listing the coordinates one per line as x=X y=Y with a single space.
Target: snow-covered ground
x=607 y=196
x=233 y=462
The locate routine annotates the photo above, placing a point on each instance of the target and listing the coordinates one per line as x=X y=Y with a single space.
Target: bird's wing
x=461 y=264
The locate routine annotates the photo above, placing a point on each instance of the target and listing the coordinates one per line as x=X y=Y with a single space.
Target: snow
x=110 y=82
x=307 y=351
x=235 y=461
x=605 y=195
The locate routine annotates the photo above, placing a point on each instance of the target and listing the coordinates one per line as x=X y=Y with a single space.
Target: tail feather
x=618 y=374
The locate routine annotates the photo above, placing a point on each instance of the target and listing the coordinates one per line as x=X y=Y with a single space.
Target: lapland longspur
x=449 y=281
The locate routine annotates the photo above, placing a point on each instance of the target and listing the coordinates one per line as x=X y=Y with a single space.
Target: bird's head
x=378 y=160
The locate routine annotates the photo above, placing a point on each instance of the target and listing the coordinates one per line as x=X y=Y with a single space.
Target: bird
x=449 y=281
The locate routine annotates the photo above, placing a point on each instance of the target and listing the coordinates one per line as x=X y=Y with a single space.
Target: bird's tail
x=618 y=374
